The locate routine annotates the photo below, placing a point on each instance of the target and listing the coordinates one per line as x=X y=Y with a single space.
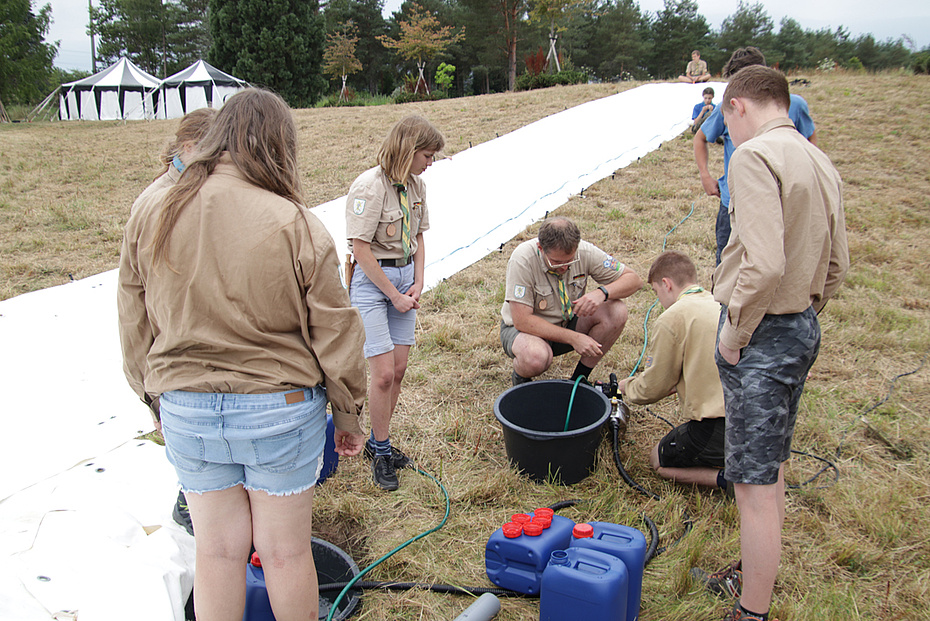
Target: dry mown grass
x=857 y=549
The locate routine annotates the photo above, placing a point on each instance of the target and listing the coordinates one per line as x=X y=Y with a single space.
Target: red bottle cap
x=512 y=530
x=520 y=518
x=544 y=512
x=581 y=531
x=532 y=529
x=543 y=521
x=256 y=562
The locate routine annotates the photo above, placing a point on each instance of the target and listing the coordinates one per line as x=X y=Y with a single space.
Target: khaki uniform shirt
x=162 y=184
x=681 y=356
x=373 y=213
x=695 y=68
x=250 y=302
x=787 y=250
x=529 y=281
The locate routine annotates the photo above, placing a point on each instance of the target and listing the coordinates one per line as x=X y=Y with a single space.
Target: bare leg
x=762 y=514
x=532 y=355
x=387 y=373
x=281 y=526
x=604 y=327
x=686 y=476
x=223 y=524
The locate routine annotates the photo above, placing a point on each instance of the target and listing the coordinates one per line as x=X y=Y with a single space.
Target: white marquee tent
x=119 y=92
x=199 y=86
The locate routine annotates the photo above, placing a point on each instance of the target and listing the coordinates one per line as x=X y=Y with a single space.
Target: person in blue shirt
x=713 y=128
x=702 y=110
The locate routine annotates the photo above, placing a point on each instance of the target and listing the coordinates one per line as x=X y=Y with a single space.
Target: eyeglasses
x=558 y=266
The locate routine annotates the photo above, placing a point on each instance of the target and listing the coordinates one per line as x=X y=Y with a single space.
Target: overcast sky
x=889 y=19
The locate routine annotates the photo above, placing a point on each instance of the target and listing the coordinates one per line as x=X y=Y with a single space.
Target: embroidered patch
x=519 y=291
x=358 y=207
x=542 y=304
x=648 y=362
x=612 y=264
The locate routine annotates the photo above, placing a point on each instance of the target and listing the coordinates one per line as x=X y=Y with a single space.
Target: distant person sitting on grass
x=696 y=71
x=702 y=110
x=681 y=361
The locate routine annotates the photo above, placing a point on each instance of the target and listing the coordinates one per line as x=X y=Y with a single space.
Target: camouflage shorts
x=761 y=394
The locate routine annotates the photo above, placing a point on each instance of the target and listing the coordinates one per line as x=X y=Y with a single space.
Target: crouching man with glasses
x=547 y=311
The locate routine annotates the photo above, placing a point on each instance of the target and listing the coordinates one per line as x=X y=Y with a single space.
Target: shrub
x=855 y=64
x=528 y=81
x=921 y=62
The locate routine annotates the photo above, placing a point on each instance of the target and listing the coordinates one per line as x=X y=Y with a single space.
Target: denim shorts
x=761 y=394
x=266 y=442
x=385 y=326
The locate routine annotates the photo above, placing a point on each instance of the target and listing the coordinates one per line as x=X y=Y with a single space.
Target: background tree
x=160 y=37
x=749 y=25
x=676 y=30
x=339 y=57
x=25 y=58
x=553 y=13
x=610 y=38
x=276 y=44
x=485 y=45
x=792 y=45
x=421 y=38
x=374 y=76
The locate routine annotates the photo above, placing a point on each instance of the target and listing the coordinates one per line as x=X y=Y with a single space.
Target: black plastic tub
x=533 y=415
x=335 y=565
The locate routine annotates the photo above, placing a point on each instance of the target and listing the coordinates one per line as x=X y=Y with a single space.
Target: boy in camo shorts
x=786 y=257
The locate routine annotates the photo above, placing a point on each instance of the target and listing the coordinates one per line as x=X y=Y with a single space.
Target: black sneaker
x=516 y=379
x=728 y=582
x=398 y=459
x=383 y=472
x=182 y=514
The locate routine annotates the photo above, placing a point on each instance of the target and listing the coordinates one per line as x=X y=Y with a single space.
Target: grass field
x=854 y=548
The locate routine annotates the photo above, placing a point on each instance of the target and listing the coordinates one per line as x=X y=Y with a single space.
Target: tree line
x=304 y=51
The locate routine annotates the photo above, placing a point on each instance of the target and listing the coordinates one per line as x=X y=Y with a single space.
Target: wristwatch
x=603 y=290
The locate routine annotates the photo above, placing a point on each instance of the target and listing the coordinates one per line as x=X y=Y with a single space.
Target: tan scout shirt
x=695 y=68
x=529 y=281
x=787 y=249
x=373 y=213
x=681 y=356
x=254 y=302
x=162 y=184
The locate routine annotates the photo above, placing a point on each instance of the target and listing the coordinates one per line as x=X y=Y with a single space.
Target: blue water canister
x=516 y=554
x=626 y=543
x=330 y=456
x=579 y=583
x=257 y=604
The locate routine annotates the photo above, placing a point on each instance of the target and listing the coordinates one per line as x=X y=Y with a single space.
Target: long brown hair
x=192 y=128
x=409 y=135
x=256 y=128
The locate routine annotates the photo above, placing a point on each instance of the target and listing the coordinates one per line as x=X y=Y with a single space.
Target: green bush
x=528 y=81
x=922 y=62
x=407 y=97
x=855 y=64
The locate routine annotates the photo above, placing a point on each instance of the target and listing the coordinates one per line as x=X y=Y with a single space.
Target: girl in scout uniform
x=385 y=218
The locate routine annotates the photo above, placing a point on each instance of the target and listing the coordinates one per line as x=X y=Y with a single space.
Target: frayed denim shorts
x=266 y=442
x=385 y=326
